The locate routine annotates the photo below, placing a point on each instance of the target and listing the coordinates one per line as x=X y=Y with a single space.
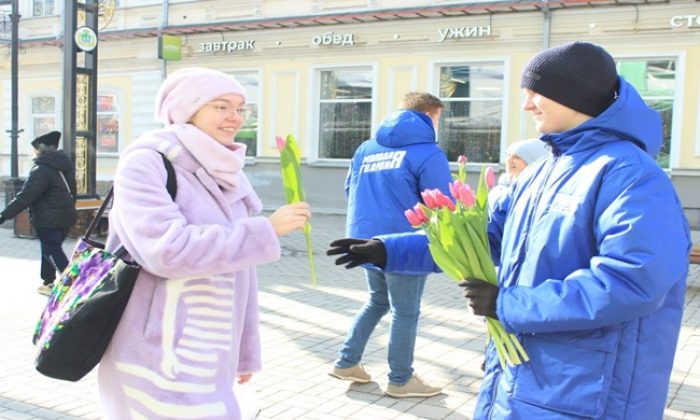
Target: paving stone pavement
x=302 y=328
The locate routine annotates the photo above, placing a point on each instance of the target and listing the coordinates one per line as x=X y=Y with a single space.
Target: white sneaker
x=45 y=289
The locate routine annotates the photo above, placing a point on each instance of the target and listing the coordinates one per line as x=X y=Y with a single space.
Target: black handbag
x=86 y=304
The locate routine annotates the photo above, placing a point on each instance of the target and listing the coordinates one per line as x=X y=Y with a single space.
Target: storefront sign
x=330 y=38
x=685 y=20
x=226 y=46
x=464 y=32
x=170 y=47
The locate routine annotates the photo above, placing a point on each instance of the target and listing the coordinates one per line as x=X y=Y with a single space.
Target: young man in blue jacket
x=387 y=174
x=593 y=248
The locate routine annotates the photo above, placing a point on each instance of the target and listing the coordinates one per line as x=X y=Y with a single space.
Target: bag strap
x=63 y=177
x=170 y=185
x=171 y=182
x=96 y=219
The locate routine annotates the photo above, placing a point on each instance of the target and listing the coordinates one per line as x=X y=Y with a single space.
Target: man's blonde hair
x=421 y=102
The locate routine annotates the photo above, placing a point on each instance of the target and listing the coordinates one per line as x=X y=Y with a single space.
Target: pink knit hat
x=185 y=91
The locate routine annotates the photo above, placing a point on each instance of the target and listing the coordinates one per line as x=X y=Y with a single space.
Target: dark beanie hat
x=49 y=139
x=578 y=75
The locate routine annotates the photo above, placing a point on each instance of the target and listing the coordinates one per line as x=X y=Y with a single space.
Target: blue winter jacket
x=593 y=248
x=388 y=173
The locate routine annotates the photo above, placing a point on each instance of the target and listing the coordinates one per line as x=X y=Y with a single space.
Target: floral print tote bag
x=84 y=308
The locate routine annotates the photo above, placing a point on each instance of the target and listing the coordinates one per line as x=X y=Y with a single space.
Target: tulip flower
x=466 y=196
x=413 y=218
x=443 y=200
x=458 y=242
x=290 y=161
x=418 y=209
x=280 y=143
x=429 y=199
x=490 y=177
x=462 y=163
x=462 y=193
x=453 y=188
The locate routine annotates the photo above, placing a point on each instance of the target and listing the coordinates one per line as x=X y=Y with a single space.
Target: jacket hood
x=55 y=159
x=628 y=117
x=405 y=127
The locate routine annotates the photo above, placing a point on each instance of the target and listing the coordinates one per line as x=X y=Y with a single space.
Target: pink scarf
x=223 y=163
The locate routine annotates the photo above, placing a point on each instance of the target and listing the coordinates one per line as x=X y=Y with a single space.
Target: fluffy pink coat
x=191 y=325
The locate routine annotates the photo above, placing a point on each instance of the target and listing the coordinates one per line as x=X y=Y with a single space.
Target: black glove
x=482 y=296
x=358 y=251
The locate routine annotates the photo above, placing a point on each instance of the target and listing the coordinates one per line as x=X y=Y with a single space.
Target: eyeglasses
x=229 y=110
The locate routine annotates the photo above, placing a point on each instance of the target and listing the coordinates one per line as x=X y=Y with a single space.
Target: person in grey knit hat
x=592 y=246
x=518 y=156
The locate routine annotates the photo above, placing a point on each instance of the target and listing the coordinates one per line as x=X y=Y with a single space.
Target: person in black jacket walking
x=49 y=193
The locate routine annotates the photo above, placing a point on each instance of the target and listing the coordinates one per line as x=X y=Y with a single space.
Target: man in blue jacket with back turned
x=387 y=174
x=593 y=248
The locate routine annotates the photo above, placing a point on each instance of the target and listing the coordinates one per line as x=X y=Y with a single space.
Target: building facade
x=328 y=71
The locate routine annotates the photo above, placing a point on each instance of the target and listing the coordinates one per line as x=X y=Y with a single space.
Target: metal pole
x=69 y=64
x=14 y=184
x=547 y=29
x=163 y=25
x=14 y=131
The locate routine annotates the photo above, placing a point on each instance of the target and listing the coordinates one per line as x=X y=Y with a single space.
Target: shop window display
x=107 y=123
x=472 y=118
x=655 y=79
x=249 y=134
x=345 y=111
x=43 y=115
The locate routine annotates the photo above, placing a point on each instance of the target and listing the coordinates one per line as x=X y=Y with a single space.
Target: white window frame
x=54 y=12
x=678 y=95
x=313 y=123
x=259 y=102
x=434 y=88
x=30 y=112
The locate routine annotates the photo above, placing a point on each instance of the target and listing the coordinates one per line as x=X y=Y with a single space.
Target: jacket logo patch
x=564 y=203
x=382 y=161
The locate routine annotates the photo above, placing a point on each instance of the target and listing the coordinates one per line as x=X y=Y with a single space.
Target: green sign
x=170 y=47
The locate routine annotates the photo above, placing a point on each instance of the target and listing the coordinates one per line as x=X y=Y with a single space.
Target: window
x=107 y=123
x=655 y=80
x=471 y=121
x=43 y=8
x=43 y=115
x=345 y=111
x=248 y=134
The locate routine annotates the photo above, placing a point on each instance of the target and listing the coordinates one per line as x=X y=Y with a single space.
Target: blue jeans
x=52 y=257
x=401 y=294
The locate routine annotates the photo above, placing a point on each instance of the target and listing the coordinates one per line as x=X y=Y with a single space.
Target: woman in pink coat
x=191 y=326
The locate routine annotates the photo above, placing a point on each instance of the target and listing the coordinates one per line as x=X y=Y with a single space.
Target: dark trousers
x=52 y=257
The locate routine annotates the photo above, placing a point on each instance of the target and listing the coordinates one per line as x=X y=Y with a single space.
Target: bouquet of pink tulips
x=459 y=244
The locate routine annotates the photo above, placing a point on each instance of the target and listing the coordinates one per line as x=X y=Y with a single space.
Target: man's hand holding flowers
x=482 y=296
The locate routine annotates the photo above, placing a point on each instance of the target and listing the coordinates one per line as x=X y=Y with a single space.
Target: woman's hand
x=289 y=218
